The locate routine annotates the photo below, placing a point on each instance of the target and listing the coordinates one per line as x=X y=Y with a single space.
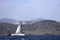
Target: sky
x=30 y=9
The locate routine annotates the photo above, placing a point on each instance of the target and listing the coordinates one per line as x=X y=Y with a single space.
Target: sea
x=31 y=37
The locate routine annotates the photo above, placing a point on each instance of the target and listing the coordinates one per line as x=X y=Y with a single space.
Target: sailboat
x=18 y=31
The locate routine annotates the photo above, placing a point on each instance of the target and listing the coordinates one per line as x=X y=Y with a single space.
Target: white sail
x=18 y=29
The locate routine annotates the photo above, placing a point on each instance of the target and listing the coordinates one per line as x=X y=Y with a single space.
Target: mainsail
x=18 y=29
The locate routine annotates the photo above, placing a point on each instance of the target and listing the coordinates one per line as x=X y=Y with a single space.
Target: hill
x=4 y=27
x=42 y=27
x=39 y=27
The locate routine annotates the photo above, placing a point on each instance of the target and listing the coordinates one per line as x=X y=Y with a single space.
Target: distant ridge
x=33 y=21
x=7 y=20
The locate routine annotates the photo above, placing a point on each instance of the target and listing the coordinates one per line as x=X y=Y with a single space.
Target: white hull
x=17 y=34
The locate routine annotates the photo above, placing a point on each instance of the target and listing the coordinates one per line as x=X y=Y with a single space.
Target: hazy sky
x=30 y=9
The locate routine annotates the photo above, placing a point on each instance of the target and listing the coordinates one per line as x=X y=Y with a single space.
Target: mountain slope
x=4 y=27
x=42 y=27
x=6 y=20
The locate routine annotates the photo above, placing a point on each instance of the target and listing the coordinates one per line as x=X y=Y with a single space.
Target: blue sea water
x=31 y=37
